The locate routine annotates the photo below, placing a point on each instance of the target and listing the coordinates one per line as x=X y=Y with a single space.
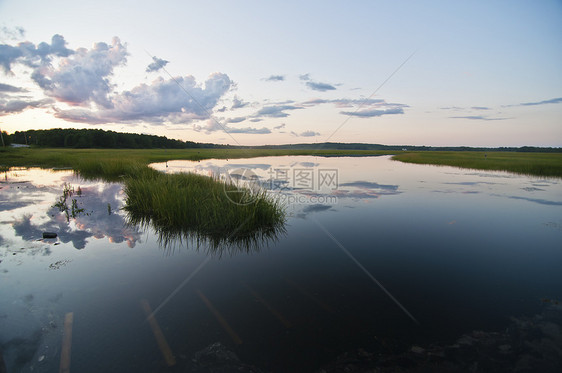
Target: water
x=377 y=254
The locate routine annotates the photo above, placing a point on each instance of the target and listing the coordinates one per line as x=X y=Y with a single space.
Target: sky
x=436 y=73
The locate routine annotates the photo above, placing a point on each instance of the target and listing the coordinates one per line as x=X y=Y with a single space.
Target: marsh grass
x=199 y=208
x=535 y=164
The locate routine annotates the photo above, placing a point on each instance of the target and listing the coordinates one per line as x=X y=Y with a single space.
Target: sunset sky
x=482 y=73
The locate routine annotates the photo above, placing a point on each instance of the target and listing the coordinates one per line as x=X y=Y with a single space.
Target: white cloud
x=177 y=100
x=82 y=78
x=212 y=125
x=157 y=64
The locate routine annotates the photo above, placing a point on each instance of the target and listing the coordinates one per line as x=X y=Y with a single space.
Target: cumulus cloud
x=82 y=79
x=162 y=100
x=304 y=77
x=157 y=64
x=275 y=78
x=31 y=55
x=322 y=87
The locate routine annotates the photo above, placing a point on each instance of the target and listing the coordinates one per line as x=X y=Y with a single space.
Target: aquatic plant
x=201 y=209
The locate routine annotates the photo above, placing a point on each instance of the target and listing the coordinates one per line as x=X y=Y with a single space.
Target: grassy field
x=537 y=164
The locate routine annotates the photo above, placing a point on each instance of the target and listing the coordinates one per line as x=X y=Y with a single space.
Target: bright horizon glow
x=483 y=74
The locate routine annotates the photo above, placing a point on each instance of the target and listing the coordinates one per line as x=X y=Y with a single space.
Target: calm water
x=377 y=254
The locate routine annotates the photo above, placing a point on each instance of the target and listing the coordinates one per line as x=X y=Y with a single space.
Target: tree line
x=96 y=138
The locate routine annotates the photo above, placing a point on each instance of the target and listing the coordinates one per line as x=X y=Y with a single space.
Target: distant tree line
x=97 y=138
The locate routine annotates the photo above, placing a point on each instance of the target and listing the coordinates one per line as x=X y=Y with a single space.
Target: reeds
x=192 y=207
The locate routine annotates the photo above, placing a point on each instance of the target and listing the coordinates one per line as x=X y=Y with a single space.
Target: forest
x=96 y=138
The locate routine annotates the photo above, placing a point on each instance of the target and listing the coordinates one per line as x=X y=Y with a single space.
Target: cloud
x=304 y=77
x=12 y=33
x=309 y=134
x=477 y=117
x=538 y=200
x=16 y=105
x=250 y=130
x=551 y=101
x=322 y=87
x=369 y=185
x=276 y=111
x=281 y=126
x=156 y=65
x=374 y=112
x=83 y=77
x=11 y=88
x=236 y=120
x=305 y=134
x=238 y=103
x=346 y=102
x=275 y=78
x=371 y=107
x=212 y=126
x=163 y=100
x=365 y=189
x=31 y=55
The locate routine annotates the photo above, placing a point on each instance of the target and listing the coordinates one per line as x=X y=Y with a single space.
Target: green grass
x=113 y=163
x=536 y=164
x=201 y=208
x=178 y=206
x=82 y=159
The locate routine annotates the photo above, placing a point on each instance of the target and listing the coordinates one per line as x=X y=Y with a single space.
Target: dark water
x=377 y=254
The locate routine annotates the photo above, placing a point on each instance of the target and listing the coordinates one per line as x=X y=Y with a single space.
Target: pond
x=377 y=260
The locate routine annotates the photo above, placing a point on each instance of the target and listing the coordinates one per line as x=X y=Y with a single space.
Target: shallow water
x=377 y=254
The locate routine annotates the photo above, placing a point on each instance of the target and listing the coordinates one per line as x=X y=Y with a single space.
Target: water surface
x=376 y=254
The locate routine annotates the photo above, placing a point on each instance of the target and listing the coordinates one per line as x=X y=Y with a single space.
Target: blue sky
x=476 y=73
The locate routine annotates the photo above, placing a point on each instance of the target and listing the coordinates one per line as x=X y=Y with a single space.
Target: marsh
x=374 y=255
